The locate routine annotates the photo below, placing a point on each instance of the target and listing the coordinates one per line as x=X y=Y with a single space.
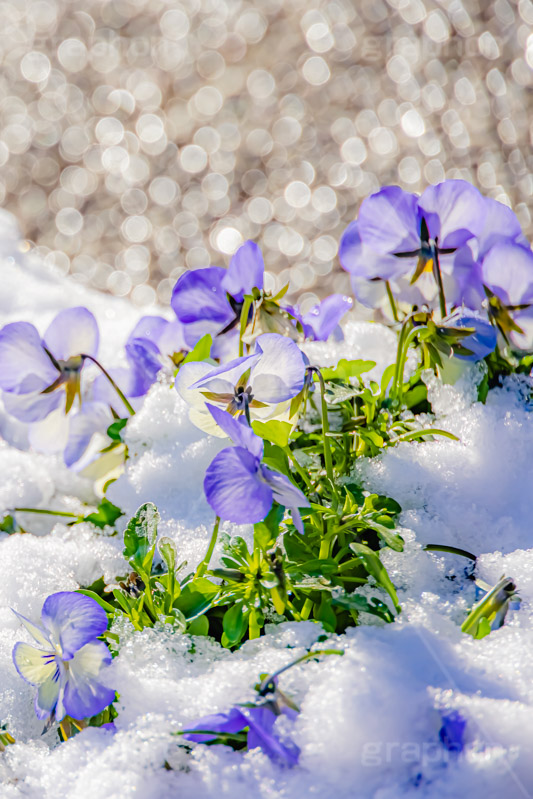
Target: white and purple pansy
x=67 y=662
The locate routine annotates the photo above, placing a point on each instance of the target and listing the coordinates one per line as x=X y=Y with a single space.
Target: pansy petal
x=480 y=343
x=33 y=407
x=49 y=693
x=365 y=263
x=500 y=223
x=84 y=694
x=224 y=378
x=454 y=212
x=73 y=332
x=199 y=295
x=38 y=633
x=189 y=374
x=320 y=322
x=73 y=620
x=50 y=435
x=35 y=666
x=173 y=339
x=507 y=270
x=237 y=430
x=286 y=494
x=150 y=327
x=93 y=417
x=230 y=722
x=234 y=489
x=145 y=360
x=21 y=357
x=245 y=271
x=388 y=221
x=280 y=372
x=261 y=725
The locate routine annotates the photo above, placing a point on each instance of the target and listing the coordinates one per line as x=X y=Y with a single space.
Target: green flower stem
x=402 y=358
x=299 y=469
x=265 y=685
x=438 y=278
x=65 y=513
x=202 y=566
x=247 y=302
x=392 y=302
x=399 y=352
x=325 y=430
x=117 y=389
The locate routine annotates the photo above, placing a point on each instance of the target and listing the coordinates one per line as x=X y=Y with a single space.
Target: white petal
x=36 y=666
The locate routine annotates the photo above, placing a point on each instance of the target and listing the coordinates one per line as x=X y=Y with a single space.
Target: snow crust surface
x=369 y=721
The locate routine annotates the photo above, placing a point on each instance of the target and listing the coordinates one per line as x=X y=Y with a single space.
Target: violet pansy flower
x=323 y=319
x=238 y=486
x=480 y=343
x=209 y=301
x=258 y=720
x=34 y=371
x=66 y=665
x=408 y=236
x=259 y=385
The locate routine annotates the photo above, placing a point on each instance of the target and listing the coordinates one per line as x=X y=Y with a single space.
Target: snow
x=369 y=720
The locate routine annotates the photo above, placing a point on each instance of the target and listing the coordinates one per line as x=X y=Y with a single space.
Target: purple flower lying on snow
x=238 y=486
x=66 y=665
x=34 y=371
x=259 y=720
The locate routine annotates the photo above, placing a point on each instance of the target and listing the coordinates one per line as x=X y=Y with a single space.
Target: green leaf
x=325 y=613
x=267 y=531
x=275 y=458
x=339 y=392
x=393 y=540
x=234 y=623
x=167 y=550
x=346 y=369
x=360 y=603
x=107 y=514
x=196 y=597
x=201 y=351
x=140 y=537
x=377 y=570
x=113 y=431
x=275 y=431
x=318 y=566
x=199 y=626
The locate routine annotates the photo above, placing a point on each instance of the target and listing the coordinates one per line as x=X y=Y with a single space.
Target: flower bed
x=250 y=554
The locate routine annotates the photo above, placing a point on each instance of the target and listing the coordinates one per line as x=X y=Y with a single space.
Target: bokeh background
x=140 y=138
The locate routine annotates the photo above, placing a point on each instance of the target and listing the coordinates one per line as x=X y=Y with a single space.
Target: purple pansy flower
x=66 y=665
x=259 y=720
x=70 y=434
x=208 y=301
x=258 y=385
x=238 y=486
x=501 y=228
x=323 y=319
x=33 y=370
x=401 y=236
x=149 y=347
x=480 y=343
